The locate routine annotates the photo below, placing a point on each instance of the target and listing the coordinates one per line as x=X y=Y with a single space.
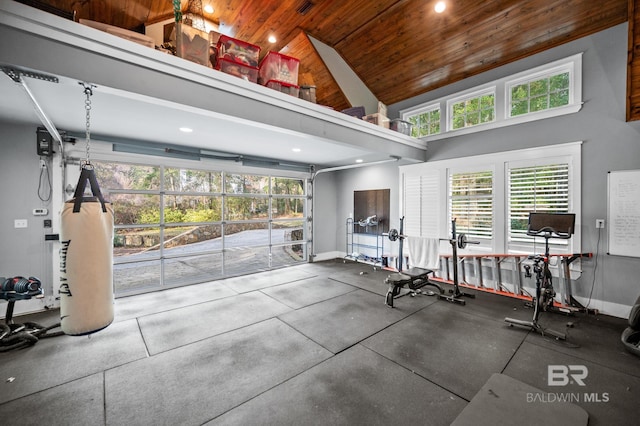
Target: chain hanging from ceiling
x=88 y=91
x=177 y=10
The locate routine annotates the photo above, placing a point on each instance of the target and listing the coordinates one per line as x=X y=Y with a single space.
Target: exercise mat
x=506 y=401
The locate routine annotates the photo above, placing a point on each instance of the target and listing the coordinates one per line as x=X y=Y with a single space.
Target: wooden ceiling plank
x=394 y=40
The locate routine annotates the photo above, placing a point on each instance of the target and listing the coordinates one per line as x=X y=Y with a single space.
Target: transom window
x=426 y=123
x=550 y=91
x=546 y=91
x=472 y=111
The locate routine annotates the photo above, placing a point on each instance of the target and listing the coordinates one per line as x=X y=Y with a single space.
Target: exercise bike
x=546 y=225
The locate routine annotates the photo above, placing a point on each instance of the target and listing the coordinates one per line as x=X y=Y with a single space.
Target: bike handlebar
x=548 y=230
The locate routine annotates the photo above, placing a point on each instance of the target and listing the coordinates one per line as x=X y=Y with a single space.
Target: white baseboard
x=607 y=308
x=330 y=255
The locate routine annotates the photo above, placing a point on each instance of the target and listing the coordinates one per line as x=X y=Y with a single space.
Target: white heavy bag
x=86 y=260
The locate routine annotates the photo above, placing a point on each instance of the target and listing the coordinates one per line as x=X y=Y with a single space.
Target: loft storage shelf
x=85 y=54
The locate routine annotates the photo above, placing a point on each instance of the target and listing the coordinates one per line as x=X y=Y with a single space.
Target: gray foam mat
x=198 y=382
x=343 y=321
x=72 y=403
x=172 y=329
x=151 y=303
x=356 y=387
x=608 y=395
x=261 y=280
x=506 y=401
x=452 y=348
x=61 y=359
x=299 y=294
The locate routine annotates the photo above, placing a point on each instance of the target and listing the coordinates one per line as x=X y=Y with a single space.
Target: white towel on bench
x=424 y=252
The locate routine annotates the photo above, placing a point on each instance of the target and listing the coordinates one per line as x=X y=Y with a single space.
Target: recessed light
x=208 y=8
x=186 y=129
x=359 y=160
x=296 y=149
x=272 y=39
x=440 y=7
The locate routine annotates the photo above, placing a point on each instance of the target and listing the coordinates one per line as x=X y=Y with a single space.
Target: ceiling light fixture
x=296 y=149
x=359 y=160
x=186 y=129
x=272 y=39
x=440 y=7
x=208 y=8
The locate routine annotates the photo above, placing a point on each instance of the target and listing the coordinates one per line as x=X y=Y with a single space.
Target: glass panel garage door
x=177 y=226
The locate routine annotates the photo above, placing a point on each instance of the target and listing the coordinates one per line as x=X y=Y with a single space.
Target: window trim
x=502 y=95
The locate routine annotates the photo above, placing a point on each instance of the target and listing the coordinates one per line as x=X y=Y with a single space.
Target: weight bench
x=13 y=335
x=414 y=278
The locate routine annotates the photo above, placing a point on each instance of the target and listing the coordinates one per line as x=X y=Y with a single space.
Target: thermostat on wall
x=40 y=212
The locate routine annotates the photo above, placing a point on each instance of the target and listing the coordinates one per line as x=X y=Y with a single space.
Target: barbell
x=461 y=241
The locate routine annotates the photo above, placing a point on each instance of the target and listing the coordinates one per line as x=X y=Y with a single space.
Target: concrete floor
x=311 y=344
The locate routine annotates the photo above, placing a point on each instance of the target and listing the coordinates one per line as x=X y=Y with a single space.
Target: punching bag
x=86 y=259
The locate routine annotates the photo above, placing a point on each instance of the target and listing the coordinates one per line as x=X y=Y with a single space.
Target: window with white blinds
x=471 y=203
x=536 y=188
x=491 y=195
x=421 y=194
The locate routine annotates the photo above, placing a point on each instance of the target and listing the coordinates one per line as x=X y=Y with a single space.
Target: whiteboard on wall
x=624 y=213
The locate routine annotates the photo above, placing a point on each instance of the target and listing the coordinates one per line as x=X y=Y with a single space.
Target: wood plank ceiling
x=398 y=48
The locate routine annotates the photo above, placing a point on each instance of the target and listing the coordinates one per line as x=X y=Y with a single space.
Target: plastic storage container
x=192 y=44
x=308 y=93
x=234 y=50
x=279 y=67
x=281 y=86
x=400 y=126
x=239 y=70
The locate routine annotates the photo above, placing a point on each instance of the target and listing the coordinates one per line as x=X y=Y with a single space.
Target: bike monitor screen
x=562 y=224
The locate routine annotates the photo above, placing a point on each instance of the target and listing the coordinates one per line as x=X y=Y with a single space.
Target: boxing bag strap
x=87 y=174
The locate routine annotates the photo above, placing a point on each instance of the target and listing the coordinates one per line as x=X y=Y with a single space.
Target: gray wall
x=326 y=224
x=22 y=251
x=384 y=176
x=609 y=143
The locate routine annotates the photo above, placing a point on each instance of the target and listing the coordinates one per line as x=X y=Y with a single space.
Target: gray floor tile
x=260 y=280
x=609 y=396
x=80 y=402
x=598 y=338
x=339 y=323
x=299 y=294
x=356 y=387
x=454 y=349
x=504 y=400
x=57 y=360
x=171 y=329
x=230 y=350
x=198 y=382
x=363 y=276
x=150 y=303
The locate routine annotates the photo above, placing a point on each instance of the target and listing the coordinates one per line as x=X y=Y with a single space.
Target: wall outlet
x=599 y=223
x=20 y=223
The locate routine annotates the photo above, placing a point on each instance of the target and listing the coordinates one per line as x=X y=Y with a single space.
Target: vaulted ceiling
x=398 y=48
